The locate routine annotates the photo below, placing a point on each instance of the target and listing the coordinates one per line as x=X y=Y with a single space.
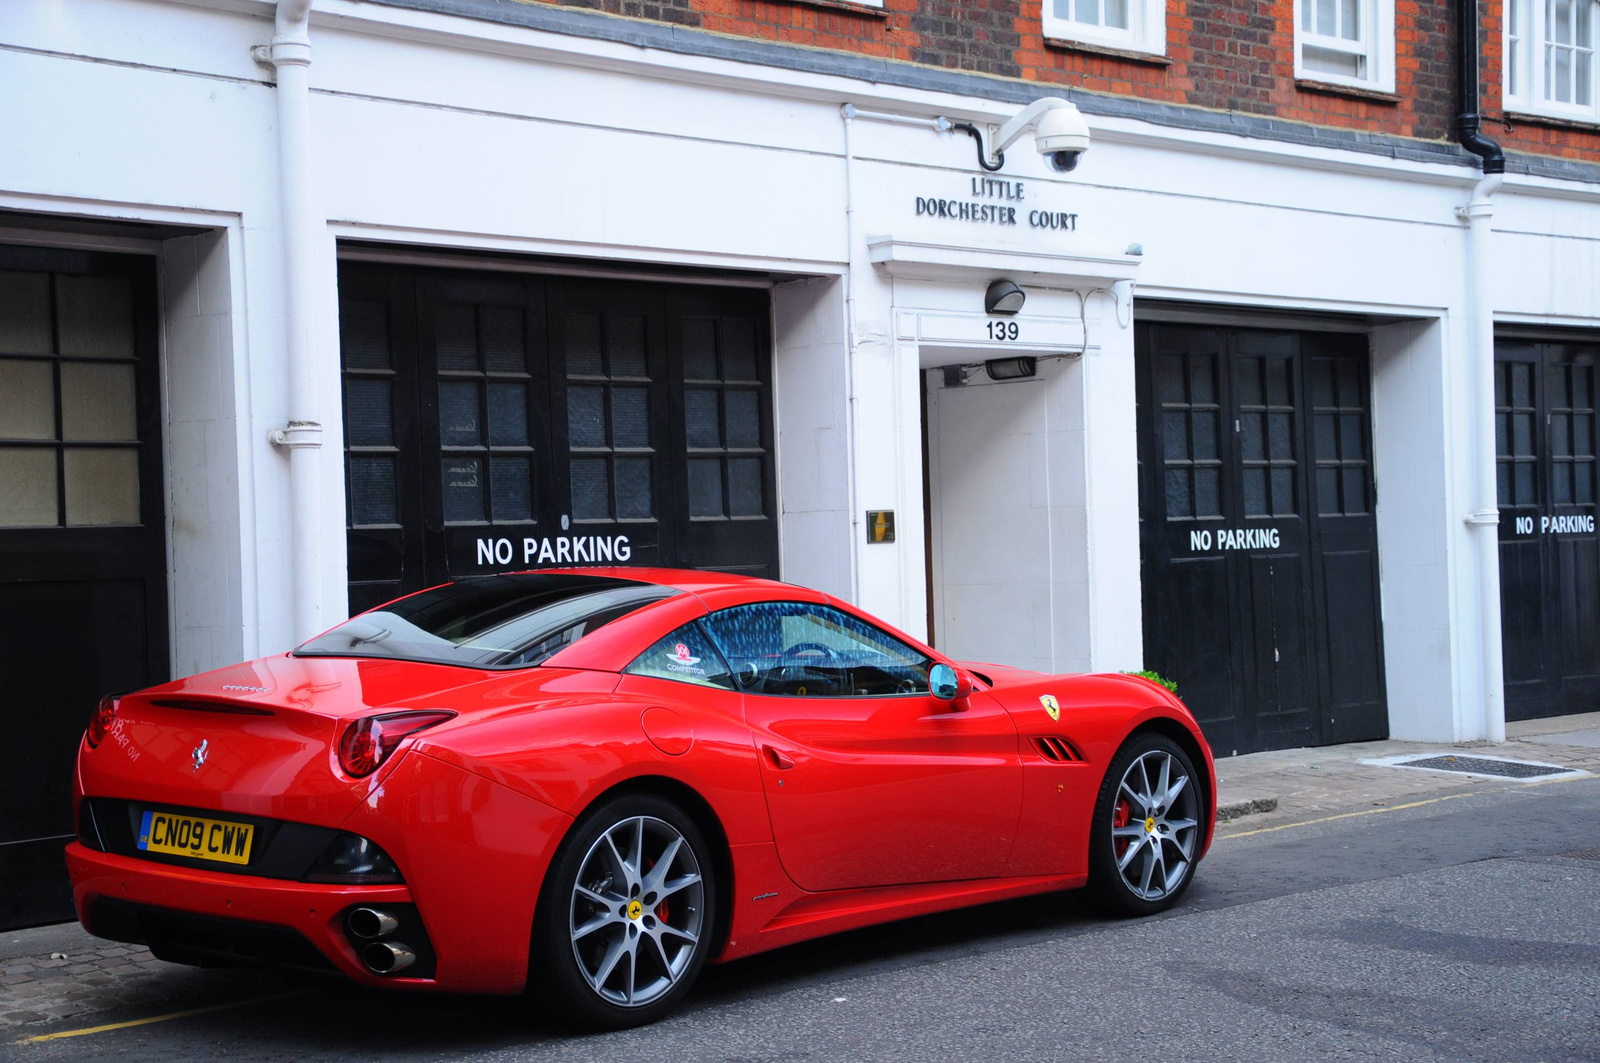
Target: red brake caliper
x=1121 y=816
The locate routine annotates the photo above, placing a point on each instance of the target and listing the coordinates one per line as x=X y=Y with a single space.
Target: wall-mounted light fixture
x=1011 y=368
x=1003 y=297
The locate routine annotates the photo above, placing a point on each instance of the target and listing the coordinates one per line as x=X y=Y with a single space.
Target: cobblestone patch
x=89 y=980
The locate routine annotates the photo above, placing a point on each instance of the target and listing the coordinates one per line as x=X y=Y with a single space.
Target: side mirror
x=947 y=684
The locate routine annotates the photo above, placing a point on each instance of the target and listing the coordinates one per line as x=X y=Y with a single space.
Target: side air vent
x=1052 y=748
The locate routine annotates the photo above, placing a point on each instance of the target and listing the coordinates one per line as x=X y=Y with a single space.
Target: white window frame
x=1375 y=46
x=1146 y=32
x=1525 y=41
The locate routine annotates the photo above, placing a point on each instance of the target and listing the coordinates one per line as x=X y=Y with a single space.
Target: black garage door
x=1258 y=544
x=1549 y=549
x=498 y=422
x=83 y=584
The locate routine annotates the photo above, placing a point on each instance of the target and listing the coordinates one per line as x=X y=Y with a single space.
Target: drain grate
x=1583 y=854
x=1511 y=769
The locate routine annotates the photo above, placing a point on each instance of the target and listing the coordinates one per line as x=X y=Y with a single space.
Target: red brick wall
x=1226 y=55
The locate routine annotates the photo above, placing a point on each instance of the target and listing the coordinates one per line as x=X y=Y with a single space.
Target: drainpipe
x=290 y=55
x=1485 y=516
x=848 y=112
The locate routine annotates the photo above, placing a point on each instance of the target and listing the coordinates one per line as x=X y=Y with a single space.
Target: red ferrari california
x=587 y=784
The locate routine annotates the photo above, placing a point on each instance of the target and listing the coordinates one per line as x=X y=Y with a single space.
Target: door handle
x=777 y=758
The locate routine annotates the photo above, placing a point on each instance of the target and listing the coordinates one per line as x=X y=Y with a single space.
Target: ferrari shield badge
x=1051 y=705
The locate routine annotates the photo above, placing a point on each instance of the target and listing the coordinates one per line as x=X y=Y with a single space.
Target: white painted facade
x=435 y=132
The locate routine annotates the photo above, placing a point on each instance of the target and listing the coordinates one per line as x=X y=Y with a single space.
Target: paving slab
x=1330 y=780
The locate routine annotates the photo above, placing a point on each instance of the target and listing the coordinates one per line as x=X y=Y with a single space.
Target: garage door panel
x=1255 y=469
x=1284 y=697
x=1355 y=673
x=1194 y=656
x=1522 y=611
x=1545 y=444
x=499 y=422
x=1577 y=574
x=83 y=560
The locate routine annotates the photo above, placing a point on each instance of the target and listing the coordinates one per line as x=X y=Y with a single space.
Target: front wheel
x=1148 y=822
x=625 y=921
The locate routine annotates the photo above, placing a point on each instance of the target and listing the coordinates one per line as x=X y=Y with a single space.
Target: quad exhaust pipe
x=387 y=957
x=372 y=923
x=381 y=957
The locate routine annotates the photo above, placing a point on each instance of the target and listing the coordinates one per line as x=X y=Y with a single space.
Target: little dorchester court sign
x=995 y=202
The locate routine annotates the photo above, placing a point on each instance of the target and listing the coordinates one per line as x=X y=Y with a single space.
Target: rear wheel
x=1148 y=823
x=625 y=920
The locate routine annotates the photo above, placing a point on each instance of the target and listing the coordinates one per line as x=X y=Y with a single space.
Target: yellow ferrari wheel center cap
x=635 y=909
x=1150 y=825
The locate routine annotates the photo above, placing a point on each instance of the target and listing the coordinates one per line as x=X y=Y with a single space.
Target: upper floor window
x=1550 y=57
x=1346 y=42
x=1122 y=25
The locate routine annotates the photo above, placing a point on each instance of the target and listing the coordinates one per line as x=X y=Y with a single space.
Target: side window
x=804 y=650
x=687 y=656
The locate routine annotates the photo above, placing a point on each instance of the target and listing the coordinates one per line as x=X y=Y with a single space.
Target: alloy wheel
x=1155 y=825
x=638 y=911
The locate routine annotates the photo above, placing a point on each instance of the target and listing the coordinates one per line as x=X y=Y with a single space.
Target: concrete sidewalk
x=1293 y=784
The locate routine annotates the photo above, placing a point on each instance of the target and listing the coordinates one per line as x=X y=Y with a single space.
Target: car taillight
x=101 y=721
x=368 y=741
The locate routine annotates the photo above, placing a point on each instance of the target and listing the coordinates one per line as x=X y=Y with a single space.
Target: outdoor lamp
x=1004 y=297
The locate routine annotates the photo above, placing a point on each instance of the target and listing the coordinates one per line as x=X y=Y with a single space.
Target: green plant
x=1156 y=677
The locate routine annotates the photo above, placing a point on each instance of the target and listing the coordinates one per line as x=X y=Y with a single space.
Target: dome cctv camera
x=1062 y=136
x=1059 y=132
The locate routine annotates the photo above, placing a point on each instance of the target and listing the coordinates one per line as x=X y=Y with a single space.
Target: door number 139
x=1003 y=330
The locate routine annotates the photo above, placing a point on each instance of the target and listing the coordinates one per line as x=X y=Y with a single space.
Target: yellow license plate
x=192 y=836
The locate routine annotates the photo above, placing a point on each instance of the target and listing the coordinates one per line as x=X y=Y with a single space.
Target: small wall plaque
x=880 y=525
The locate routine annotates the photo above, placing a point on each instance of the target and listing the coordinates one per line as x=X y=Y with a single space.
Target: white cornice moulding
x=921 y=260
x=540 y=45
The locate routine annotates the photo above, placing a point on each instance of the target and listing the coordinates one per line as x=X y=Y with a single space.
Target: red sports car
x=589 y=783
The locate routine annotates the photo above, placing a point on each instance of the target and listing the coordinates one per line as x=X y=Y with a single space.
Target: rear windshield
x=498 y=622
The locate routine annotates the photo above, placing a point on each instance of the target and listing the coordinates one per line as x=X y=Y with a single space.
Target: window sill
x=1066 y=44
x=1589 y=125
x=1332 y=88
x=867 y=10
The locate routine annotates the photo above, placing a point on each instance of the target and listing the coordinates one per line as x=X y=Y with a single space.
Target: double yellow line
x=40 y=1038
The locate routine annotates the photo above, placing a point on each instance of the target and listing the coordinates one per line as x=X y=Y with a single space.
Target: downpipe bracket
x=1482 y=518
x=297 y=434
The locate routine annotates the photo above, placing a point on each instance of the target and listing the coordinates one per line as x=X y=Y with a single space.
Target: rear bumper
x=473 y=852
x=197 y=916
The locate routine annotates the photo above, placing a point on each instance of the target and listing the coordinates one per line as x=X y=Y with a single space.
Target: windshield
x=499 y=622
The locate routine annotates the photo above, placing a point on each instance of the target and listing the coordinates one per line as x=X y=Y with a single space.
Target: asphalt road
x=1450 y=930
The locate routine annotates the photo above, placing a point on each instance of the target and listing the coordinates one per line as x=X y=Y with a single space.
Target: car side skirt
x=784 y=914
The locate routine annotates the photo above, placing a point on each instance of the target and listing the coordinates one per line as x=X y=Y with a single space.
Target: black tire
x=1108 y=889
x=563 y=992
